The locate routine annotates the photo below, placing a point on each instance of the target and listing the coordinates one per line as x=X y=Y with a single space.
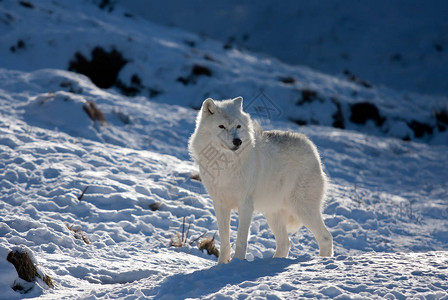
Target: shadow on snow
x=207 y=281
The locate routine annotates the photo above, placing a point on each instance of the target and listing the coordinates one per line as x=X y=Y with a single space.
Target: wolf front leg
x=245 y=211
x=223 y=218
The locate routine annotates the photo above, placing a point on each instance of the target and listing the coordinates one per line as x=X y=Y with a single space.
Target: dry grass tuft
x=94 y=113
x=177 y=241
x=78 y=234
x=208 y=244
x=181 y=238
x=47 y=279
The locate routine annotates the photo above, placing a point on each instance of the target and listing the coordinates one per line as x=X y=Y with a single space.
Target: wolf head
x=223 y=125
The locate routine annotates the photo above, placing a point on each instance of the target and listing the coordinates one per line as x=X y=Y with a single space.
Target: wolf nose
x=237 y=142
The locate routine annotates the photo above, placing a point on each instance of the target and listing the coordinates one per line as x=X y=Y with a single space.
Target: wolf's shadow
x=207 y=281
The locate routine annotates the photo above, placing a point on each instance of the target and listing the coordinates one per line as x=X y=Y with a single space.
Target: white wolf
x=245 y=168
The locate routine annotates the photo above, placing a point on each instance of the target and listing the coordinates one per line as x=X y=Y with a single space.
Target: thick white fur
x=275 y=172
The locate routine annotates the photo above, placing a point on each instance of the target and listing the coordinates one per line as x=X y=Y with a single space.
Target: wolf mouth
x=233 y=149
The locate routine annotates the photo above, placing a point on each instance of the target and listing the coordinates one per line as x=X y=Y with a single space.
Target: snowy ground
x=387 y=206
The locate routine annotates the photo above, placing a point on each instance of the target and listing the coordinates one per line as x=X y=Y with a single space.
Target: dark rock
x=210 y=58
x=26 y=4
x=133 y=89
x=420 y=129
x=102 y=69
x=300 y=122
x=196 y=71
x=190 y=43
x=19 y=46
x=154 y=92
x=287 y=79
x=338 y=116
x=396 y=57
x=442 y=117
x=199 y=70
x=70 y=87
x=24 y=265
x=155 y=206
x=352 y=77
x=364 y=111
x=183 y=80
x=308 y=96
x=438 y=47
x=108 y=5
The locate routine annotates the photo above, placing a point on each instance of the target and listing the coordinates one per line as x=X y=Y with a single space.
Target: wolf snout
x=237 y=142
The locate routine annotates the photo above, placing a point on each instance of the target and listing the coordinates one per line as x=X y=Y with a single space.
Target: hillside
x=97 y=184
x=401 y=44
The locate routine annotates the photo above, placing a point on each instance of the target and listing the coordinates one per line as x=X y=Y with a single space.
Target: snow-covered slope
x=171 y=66
x=386 y=196
x=403 y=44
x=387 y=206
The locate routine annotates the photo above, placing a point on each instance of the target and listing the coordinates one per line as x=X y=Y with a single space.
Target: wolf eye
x=238 y=126
x=222 y=126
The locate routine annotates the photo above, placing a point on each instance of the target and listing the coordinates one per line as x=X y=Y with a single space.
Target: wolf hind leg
x=317 y=227
x=278 y=223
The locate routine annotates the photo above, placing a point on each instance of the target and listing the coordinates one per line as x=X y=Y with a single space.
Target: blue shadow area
x=203 y=282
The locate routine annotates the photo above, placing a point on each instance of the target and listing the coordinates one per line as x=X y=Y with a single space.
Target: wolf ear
x=238 y=102
x=209 y=107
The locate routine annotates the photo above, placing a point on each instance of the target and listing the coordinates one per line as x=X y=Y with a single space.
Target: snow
x=387 y=204
x=402 y=44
